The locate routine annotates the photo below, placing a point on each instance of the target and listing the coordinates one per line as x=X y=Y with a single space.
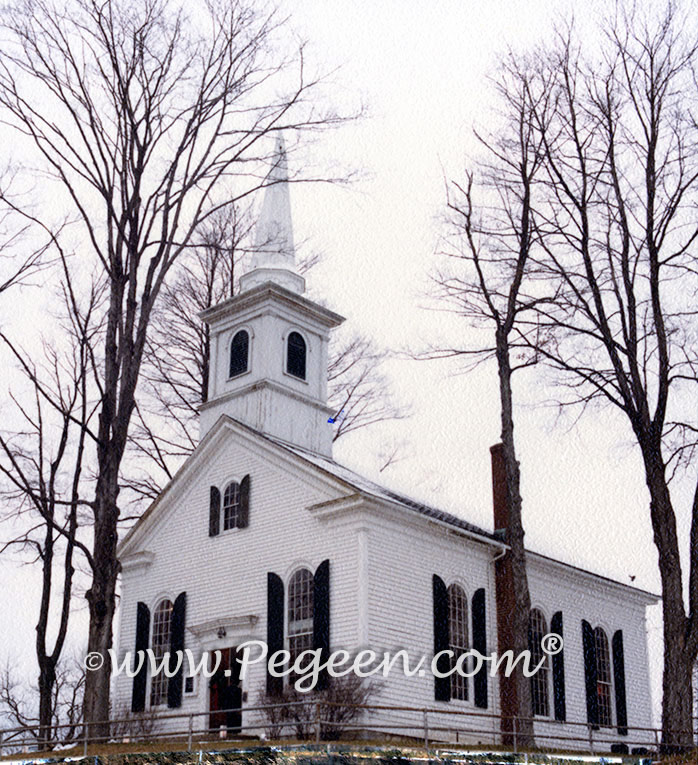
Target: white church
x=261 y=535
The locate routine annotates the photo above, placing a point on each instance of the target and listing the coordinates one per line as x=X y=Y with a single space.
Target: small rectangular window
x=189 y=685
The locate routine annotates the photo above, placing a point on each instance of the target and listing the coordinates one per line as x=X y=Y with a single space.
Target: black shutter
x=214 y=516
x=244 y=516
x=178 y=620
x=442 y=685
x=589 y=647
x=321 y=618
x=480 y=645
x=619 y=683
x=139 y=680
x=275 y=627
x=559 y=671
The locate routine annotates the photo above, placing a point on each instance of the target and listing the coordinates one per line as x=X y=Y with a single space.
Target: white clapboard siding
x=382 y=559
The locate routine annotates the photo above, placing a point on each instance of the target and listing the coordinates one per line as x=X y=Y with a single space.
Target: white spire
x=274 y=258
x=274 y=227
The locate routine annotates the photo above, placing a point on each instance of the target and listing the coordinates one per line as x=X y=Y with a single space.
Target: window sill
x=238 y=376
x=297 y=379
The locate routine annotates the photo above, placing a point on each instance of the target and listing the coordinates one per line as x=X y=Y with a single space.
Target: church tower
x=269 y=343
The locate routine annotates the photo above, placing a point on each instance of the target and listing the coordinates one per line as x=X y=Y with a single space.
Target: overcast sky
x=421 y=68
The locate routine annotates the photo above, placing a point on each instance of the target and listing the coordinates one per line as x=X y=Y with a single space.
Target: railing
x=320 y=721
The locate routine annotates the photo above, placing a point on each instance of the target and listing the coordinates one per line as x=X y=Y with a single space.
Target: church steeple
x=274 y=257
x=269 y=344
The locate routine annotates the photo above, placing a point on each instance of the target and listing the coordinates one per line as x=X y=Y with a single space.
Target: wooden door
x=225 y=693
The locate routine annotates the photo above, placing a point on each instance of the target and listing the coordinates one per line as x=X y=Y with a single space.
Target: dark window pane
x=537 y=629
x=295 y=359
x=458 y=632
x=300 y=615
x=231 y=506
x=603 y=677
x=160 y=643
x=238 y=353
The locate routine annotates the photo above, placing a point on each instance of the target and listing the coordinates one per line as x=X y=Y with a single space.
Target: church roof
x=366 y=486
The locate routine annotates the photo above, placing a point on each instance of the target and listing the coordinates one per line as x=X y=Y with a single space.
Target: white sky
x=421 y=69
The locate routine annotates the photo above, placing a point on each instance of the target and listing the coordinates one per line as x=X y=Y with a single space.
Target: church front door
x=225 y=694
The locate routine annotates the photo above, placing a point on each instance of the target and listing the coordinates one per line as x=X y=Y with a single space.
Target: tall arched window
x=160 y=643
x=239 y=351
x=603 y=678
x=458 y=637
x=300 y=613
x=537 y=629
x=231 y=506
x=295 y=355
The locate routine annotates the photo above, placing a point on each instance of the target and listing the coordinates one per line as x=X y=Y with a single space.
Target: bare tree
x=621 y=158
x=20 y=257
x=43 y=463
x=358 y=389
x=146 y=121
x=65 y=722
x=490 y=279
x=336 y=708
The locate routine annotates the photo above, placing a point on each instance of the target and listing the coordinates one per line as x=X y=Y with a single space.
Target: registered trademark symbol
x=551 y=643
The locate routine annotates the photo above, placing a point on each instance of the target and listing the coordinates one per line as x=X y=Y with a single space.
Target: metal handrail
x=430 y=723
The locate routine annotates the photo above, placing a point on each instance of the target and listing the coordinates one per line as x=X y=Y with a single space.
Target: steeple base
x=275 y=411
x=291 y=281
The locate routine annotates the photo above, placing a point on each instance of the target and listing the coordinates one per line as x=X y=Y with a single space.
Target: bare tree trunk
x=677 y=685
x=515 y=539
x=101 y=598
x=47 y=681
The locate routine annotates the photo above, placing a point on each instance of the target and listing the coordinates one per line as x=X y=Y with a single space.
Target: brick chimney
x=504 y=590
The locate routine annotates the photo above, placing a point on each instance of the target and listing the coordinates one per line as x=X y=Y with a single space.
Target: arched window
x=603 y=678
x=537 y=629
x=300 y=613
x=295 y=355
x=231 y=506
x=160 y=643
x=458 y=637
x=239 y=350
